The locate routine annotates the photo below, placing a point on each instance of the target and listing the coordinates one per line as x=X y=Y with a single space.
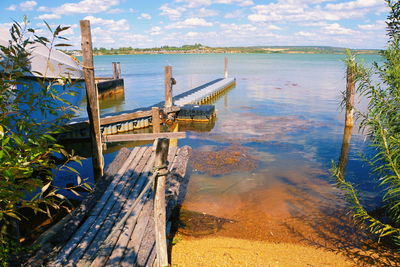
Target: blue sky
x=122 y=23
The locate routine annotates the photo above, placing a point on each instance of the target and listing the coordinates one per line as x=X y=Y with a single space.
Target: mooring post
x=119 y=70
x=350 y=91
x=115 y=71
x=161 y=164
x=155 y=114
x=92 y=99
x=168 y=86
x=226 y=68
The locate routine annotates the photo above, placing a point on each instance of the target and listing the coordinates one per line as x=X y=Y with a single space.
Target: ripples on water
x=280 y=128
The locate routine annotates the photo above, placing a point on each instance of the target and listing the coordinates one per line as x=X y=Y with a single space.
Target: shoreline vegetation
x=201 y=49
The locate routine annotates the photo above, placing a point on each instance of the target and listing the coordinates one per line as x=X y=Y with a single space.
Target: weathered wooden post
x=119 y=70
x=115 y=70
x=350 y=91
x=92 y=99
x=155 y=114
x=344 y=151
x=161 y=164
x=174 y=141
x=168 y=86
x=226 y=68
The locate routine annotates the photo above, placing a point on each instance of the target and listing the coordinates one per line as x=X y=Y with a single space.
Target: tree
x=381 y=123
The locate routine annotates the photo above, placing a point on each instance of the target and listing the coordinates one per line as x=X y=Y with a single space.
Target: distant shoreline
x=226 y=50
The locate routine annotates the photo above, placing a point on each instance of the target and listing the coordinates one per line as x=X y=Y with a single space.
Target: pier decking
x=117 y=229
x=140 y=118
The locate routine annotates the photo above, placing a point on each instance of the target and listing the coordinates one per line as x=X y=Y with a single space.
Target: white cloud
x=12 y=8
x=190 y=23
x=172 y=13
x=43 y=9
x=82 y=7
x=337 y=29
x=24 y=6
x=356 y=4
x=144 y=16
x=234 y=15
x=49 y=16
x=198 y=3
x=305 y=11
x=203 y=12
x=115 y=11
x=155 y=30
x=28 y=5
x=305 y=34
x=379 y=25
x=109 y=24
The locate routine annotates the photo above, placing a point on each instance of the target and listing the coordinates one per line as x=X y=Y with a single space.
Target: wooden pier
x=136 y=119
x=115 y=226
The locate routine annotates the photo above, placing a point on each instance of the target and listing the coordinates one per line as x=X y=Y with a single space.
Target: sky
x=152 y=23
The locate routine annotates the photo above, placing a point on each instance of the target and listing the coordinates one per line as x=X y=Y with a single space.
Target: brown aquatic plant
x=234 y=158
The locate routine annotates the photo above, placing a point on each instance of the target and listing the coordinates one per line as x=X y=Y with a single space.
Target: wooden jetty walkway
x=129 y=120
x=115 y=225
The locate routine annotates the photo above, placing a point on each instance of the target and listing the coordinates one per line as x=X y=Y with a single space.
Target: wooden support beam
x=92 y=99
x=155 y=113
x=141 y=137
x=160 y=164
x=121 y=118
x=134 y=115
x=168 y=86
x=350 y=91
x=226 y=68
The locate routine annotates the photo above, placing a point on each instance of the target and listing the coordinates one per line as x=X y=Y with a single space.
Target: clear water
x=282 y=122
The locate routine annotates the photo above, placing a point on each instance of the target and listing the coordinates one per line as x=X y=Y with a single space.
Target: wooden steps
x=119 y=229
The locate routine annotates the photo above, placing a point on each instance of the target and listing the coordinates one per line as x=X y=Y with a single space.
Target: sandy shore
x=238 y=252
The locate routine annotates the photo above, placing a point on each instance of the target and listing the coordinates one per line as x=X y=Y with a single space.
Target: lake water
x=264 y=166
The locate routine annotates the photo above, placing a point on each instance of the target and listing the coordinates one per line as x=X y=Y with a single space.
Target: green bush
x=28 y=145
x=381 y=122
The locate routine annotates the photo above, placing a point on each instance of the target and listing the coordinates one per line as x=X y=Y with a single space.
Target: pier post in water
x=168 y=86
x=92 y=99
x=226 y=68
x=161 y=164
x=155 y=113
x=116 y=70
x=350 y=91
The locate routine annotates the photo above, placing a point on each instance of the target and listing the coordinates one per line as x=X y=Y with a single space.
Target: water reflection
x=344 y=152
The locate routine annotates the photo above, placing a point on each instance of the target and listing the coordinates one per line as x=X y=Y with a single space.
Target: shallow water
x=265 y=163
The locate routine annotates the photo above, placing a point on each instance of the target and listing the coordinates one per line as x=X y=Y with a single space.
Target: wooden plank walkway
x=203 y=93
x=128 y=120
x=118 y=230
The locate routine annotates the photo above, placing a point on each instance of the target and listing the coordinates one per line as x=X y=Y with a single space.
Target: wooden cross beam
x=141 y=137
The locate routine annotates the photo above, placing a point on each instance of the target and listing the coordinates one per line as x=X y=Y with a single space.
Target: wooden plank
x=127 y=247
x=110 y=214
x=146 y=245
x=99 y=254
x=92 y=100
x=139 y=137
x=78 y=235
x=168 y=86
x=155 y=114
x=102 y=224
x=160 y=164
